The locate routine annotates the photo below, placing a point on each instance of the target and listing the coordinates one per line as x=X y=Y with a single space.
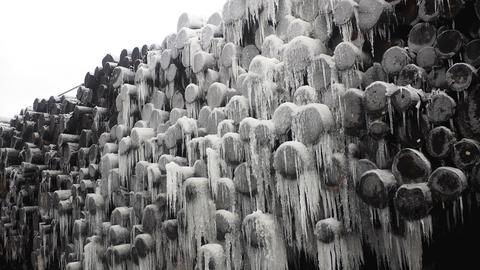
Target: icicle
x=91 y=260
x=147 y=263
x=213 y=168
x=270 y=253
x=199 y=216
x=301 y=195
x=174 y=186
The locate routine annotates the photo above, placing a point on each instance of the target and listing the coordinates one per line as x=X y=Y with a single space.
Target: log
x=440 y=142
x=217 y=95
x=411 y=166
x=227 y=223
x=309 y=122
x=471 y=54
x=394 y=59
x=143 y=244
x=354 y=114
x=449 y=42
x=461 y=76
x=466 y=153
x=447 y=183
x=441 y=108
x=232 y=148
x=421 y=35
x=375 y=97
x=291 y=159
x=327 y=230
x=377 y=187
x=412 y=75
x=427 y=58
x=413 y=201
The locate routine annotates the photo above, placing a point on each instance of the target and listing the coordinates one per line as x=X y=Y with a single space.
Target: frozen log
x=461 y=76
x=225 y=194
x=152 y=218
x=203 y=61
x=209 y=33
x=309 y=122
x=227 y=223
x=140 y=136
x=347 y=55
x=405 y=98
x=377 y=187
x=121 y=216
x=327 y=230
x=471 y=53
x=428 y=10
x=375 y=97
x=67 y=138
x=304 y=95
x=412 y=75
x=184 y=35
x=421 y=35
x=413 y=201
x=441 y=108
x=211 y=256
x=120 y=132
x=344 y=12
x=244 y=184
x=291 y=158
x=34 y=155
x=272 y=47
x=448 y=43
x=372 y=13
x=87 y=186
x=282 y=117
x=217 y=95
x=190 y=21
x=247 y=54
x=170 y=227
x=298 y=27
x=144 y=244
x=466 y=153
x=110 y=148
x=230 y=55
x=447 y=183
x=394 y=59
x=354 y=114
x=118 y=235
x=108 y=162
x=122 y=75
x=216 y=116
x=237 y=109
x=411 y=166
x=298 y=56
x=440 y=142
x=117 y=256
x=232 y=148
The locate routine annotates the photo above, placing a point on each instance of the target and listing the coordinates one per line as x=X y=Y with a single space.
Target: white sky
x=47 y=46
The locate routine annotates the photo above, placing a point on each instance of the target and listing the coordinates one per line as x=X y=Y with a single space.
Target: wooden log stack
x=272 y=133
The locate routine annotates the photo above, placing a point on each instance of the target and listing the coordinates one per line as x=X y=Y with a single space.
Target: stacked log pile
x=276 y=134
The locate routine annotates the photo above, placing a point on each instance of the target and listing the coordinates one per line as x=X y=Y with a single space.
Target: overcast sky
x=47 y=46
